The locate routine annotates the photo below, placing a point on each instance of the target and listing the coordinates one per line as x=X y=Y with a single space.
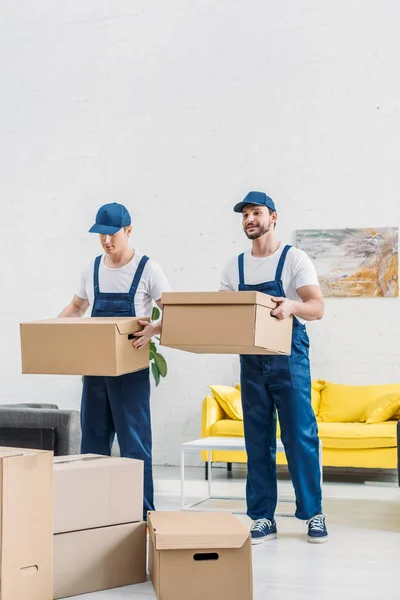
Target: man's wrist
x=157 y=327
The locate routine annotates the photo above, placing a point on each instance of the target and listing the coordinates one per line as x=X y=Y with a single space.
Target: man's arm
x=76 y=308
x=149 y=330
x=311 y=309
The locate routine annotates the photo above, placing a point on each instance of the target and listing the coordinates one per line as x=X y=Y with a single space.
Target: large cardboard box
x=224 y=323
x=96 y=491
x=82 y=346
x=99 y=559
x=201 y=556
x=26 y=524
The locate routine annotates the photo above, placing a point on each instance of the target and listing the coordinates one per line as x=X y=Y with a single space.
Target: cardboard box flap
x=123 y=324
x=131 y=325
x=198 y=298
x=74 y=458
x=6 y=452
x=186 y=530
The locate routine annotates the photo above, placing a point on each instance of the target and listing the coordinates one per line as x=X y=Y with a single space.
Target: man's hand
x=144 y=336
x=284 y=309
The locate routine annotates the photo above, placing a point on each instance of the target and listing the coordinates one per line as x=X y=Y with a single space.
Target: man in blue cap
x=282 y=383
x=119 y=283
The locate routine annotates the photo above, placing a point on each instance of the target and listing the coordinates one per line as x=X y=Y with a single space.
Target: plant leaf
x=156 y=373
x=161 y=364
x=155 y=315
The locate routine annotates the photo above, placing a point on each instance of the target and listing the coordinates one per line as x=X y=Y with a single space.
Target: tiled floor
x=359 y=562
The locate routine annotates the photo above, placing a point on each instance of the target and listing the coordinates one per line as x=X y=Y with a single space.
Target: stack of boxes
x=99 y=533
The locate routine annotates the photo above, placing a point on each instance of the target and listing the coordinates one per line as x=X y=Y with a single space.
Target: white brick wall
x=177 y=109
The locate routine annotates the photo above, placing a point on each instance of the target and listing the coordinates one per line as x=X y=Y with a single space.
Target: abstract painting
x=354 y=262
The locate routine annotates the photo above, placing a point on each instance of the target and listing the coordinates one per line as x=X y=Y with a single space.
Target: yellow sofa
x=347 y=440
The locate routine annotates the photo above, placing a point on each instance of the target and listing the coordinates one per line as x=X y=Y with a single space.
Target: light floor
x=361 y=560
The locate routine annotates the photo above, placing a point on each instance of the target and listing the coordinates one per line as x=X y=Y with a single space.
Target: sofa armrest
x=66 y=422
x=211 y=413
x=398 y=451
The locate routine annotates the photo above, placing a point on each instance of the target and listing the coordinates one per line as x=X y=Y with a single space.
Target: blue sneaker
x=262 y=530
x=317 y=531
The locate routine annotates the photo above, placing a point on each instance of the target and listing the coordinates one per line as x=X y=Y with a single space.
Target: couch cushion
x=229 y=399
x=358 y=435
x=383 y=408
x=315 y=394
x=348 y=403
x=227 y=428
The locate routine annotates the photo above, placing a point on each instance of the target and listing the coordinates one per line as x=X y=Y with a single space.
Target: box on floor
x=199 y=556
x=26 y=544
x=99 y=559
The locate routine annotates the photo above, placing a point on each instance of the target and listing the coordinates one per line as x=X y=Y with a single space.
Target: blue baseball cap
x=255 y=198
x=111 y=218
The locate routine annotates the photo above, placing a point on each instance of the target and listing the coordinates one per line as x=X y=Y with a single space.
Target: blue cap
x=255 y=198
x=111 y=218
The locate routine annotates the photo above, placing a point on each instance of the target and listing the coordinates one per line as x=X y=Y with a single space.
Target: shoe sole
x=271 y=536
x=320 y=540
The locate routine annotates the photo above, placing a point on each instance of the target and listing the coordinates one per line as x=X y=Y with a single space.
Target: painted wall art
x=354 y=262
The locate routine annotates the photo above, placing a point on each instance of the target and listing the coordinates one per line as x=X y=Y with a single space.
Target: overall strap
x=96 y=275
x=138 y=275
x=241 y=269
x=281 y=263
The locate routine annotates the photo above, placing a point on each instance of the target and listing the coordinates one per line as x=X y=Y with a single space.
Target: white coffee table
x=225 y=444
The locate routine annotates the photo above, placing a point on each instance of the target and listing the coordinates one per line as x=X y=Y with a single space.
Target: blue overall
x=119 y=405
x=282 y=383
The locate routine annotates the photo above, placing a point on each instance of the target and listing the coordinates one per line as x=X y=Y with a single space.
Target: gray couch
x=66 y=423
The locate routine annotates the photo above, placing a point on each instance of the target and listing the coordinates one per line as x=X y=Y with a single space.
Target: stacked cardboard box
x=26 y=524
x=99 y=534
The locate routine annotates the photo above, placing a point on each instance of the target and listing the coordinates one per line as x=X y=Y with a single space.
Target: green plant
x=158 y=363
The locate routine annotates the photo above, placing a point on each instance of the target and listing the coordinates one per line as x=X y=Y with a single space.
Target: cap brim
x=104 y=229
x=240 y=206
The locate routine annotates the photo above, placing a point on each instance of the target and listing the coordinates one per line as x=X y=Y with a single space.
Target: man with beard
x=282 y=383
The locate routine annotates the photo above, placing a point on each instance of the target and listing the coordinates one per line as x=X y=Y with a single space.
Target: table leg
x=209 y=473
x=182 y=478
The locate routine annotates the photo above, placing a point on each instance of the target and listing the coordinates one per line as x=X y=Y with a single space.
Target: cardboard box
x=96 y=491
x=224 y=323
x=26 y=522
x=82 y=346
x=201 y=556
x=99 y=559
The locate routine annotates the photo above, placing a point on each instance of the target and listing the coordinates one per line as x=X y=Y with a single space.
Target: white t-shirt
x=298 y=271
x=151 y=286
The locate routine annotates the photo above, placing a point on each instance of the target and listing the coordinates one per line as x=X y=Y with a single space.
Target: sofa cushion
x=227 y=428
x=383 y=408
x=230 y=400
x=348 y=403
x=358 y=435
x=315 y=394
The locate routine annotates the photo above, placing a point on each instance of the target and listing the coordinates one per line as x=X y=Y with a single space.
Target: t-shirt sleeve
x=227 y=283
x=304 y=272
x=81 y=290
x=157 y=282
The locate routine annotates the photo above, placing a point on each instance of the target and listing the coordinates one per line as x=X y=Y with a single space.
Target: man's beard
x=262 y=229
